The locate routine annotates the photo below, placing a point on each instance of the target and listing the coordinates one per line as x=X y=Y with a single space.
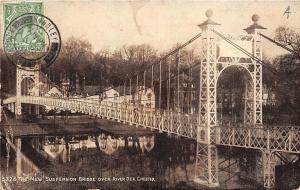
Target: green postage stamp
x=30 y=38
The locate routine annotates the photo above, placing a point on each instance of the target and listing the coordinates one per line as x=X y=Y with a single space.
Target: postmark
x=32 y=41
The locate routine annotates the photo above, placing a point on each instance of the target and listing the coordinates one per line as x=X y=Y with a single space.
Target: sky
x=163 y=23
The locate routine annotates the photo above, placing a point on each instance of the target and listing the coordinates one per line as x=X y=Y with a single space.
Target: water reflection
x=61 y=148
x=170 y=160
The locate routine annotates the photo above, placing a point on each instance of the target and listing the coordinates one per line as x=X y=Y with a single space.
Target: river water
x=105 y=161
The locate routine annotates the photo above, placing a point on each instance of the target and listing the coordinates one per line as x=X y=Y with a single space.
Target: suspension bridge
x=186 y=104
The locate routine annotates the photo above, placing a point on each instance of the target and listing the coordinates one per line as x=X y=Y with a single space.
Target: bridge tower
x=207 y=155
x=256 y=73
x=21 y=75
x=211 y=67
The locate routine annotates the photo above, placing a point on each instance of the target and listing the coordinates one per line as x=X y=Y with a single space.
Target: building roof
x=95 y=90
x=126 y=91
x=54 y=91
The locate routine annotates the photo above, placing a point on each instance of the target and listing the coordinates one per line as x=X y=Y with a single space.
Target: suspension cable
x=246 y=52
x=152 y=76
x=137 y=90
x=175 y=50
x=169 y=85
x=173 y=76
x=130 y=93
x=118 y=105
x=159 y=101
x=159 y=62
x=178 y=73
x=144 y=87
x=166 y=56
x=189 y=90
x=279 y=44
x=262 y=63
x=124 y=92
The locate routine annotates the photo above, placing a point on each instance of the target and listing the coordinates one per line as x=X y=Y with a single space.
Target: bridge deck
x=275 y=138
x=59 y=127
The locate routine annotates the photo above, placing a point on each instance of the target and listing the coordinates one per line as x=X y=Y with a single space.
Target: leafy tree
x=282 y=77
x=288 y=37
x=288 y=67
x=8 y=75
x=288 y=82
x=75 y=57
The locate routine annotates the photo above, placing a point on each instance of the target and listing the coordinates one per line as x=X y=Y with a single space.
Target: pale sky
x=163 y=23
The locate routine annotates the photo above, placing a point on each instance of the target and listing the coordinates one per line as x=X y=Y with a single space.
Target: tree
x=138 y=54
x=288 y=67
x=128 y=61
x=288 y=82
x=8 y=75
x=288 y=37
x=75 y=59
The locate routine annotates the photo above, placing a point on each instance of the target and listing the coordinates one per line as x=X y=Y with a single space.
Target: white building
x=54 y=92
x=144 y=97
x=114 y=97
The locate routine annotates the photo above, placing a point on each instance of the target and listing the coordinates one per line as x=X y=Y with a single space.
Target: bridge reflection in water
x=168 y=160
x=143 y=158
x=62 y=147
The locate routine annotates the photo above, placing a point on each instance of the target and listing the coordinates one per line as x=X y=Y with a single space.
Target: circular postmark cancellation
x=32 y=41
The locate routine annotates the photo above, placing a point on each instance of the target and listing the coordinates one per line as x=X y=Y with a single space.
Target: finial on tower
x=255 y=26
x=255 y=18
x=209 y=13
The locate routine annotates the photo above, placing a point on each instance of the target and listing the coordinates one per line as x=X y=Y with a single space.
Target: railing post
x=154 y=120
x=130 y=117
x=126 y=114
x=146 y=117
x=106 y=111
x=233 y=136
x=121 y=113
x=162 y=122
x=151 y=120
x=118 y=109
x=249 y=137
x=180 y=125
x=268 y=139
x=139 y=113
x=171 y=121
x=291 y=131
x=98 y=110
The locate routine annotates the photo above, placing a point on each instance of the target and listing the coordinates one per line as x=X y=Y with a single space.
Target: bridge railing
x=286 y=139
x=165 y=121
x=10 y=100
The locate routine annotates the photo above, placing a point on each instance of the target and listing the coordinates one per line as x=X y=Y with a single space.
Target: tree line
x=109 y=68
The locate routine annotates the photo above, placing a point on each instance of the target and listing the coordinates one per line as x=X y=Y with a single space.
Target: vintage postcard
x=149 y=94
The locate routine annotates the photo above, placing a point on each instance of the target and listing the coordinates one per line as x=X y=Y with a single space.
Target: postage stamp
x=25 y=36
x=31 y=40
